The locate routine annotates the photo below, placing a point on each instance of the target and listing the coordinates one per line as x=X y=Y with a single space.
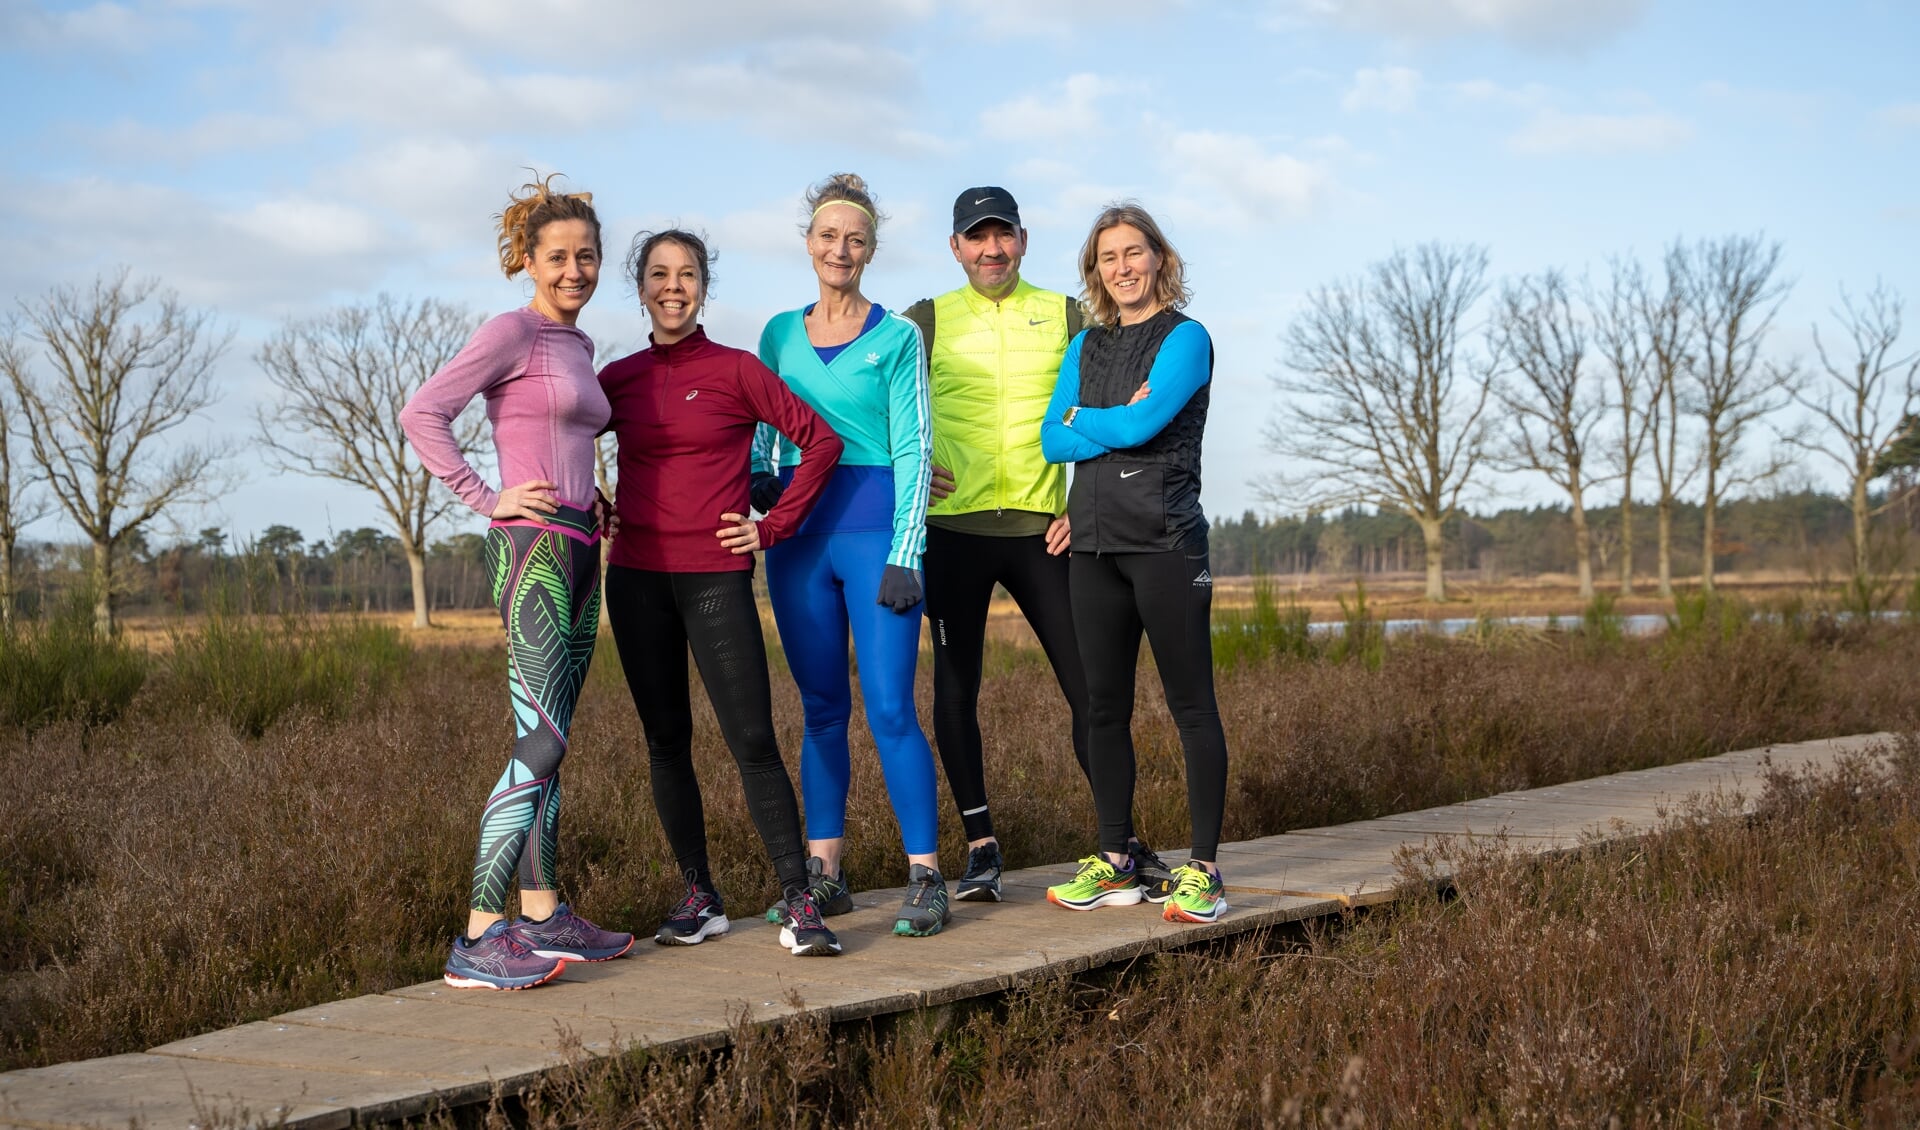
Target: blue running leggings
x=822 y=586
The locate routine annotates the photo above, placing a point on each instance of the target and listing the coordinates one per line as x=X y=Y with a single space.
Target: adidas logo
x=873 y=358
x=1205 y=578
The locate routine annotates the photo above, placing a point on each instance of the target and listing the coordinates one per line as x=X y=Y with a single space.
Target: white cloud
x=215 y=134
x=432 y=86
x=1552 y=133
x=1070 y=110
x=1061 y=19
x=1902 y=114
x=1530 y=96
x=803 y=84
x=1394 y=90
x=1258 y=184
x=257 y=258
x=1553 y=25
x=103 y=26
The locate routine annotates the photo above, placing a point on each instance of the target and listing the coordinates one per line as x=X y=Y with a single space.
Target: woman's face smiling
x=841 y=244
x=1129 y=268
x=565 y=268
x=670 y=288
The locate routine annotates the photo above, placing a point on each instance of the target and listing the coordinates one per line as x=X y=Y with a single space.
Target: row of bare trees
x=95 y=377
x=1405 y=387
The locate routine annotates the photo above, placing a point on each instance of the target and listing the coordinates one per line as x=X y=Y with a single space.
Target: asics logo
x=1132 y=473
x=694 y=393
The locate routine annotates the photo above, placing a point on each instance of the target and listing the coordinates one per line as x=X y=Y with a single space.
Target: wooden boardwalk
x=416 y=1049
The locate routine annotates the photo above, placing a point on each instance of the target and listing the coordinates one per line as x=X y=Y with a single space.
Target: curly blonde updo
x=532 y=208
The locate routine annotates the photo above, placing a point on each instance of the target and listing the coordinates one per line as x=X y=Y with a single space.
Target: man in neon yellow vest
x=999 y=511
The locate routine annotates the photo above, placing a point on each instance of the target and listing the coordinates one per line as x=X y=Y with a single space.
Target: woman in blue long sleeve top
x=1129 y=411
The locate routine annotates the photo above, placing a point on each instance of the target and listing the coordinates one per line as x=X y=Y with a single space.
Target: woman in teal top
x=854 y=566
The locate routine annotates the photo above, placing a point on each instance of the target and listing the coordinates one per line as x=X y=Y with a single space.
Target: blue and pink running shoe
x=570 y=937
x=498 y=959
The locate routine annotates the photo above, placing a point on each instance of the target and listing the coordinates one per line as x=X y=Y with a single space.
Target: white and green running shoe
x=1098 y=883
x=1198 y=896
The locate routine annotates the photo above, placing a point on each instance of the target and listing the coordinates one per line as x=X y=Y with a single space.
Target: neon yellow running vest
x=994 y=365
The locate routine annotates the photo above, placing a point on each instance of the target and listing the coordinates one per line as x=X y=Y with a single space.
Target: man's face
x=990 y=252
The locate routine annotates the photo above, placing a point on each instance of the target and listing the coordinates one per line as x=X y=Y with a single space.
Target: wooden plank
x=439 y=1020
x=161 y=1091
x=268 y=1043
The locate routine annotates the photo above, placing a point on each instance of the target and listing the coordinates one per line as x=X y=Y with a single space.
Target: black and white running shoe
x=803 y=931
x=1156 y=878
x=982 y=880
x=698 y=917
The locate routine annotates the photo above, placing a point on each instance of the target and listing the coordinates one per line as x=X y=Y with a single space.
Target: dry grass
x=1729 y=971
x=161 y=876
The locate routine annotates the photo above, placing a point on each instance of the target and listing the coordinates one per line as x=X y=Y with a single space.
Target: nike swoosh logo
x=981 y=201
x=694 y=393
x=1036 y=321
x=1131 y=474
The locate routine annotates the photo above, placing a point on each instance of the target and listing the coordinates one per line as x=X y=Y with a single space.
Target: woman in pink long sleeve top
x=534 y=367
x=681 y=572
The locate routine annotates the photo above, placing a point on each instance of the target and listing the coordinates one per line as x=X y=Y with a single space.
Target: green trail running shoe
x=830 y=893
x=1099 y=883
x=924 y=912
x=1198 y=896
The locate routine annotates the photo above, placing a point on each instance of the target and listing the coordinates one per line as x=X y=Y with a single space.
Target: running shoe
x=924 y=911
x=830 y=892
x=498 y=959
x=1198 y=896
x=698 y=917
x=567 y=935
x=1098 y=883
x=982 y=880
x=1156 y=878
x=804 y=932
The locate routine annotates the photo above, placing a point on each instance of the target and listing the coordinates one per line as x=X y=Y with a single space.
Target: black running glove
x=899 y=587
x=765 y=491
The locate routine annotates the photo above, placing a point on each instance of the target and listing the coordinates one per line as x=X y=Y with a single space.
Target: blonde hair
x=843 y=188
x=532 y=208
x=1169 y=287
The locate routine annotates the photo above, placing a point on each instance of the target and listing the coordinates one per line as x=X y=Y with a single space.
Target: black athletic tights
x=961 y=570
x=655 y=616
x=1169 y=595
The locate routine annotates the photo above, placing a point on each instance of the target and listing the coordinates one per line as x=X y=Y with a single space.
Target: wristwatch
x=1071 y=413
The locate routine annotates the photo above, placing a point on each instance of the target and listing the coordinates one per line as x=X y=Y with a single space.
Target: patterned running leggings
x=546 y=582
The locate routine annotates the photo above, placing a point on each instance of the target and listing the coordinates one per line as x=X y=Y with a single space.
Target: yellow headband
x=830 y=203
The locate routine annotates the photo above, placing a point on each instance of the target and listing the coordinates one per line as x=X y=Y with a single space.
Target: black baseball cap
x=976 y=205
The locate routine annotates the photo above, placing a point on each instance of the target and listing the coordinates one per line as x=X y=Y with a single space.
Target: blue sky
x=271 y=160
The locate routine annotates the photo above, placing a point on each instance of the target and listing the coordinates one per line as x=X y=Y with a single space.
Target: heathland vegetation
x=201 y=848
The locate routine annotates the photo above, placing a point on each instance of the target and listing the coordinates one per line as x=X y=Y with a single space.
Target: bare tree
x=119 y=382
x=1732 y=294
x=20 y=506
x=1663 y=318
x=1619 y=336
x=1552 y=408
x=1387 y=411
x=343 y=378
x=1863 y=404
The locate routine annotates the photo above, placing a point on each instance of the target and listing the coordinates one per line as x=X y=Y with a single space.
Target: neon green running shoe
x=1198 y=896
x=1099 y=883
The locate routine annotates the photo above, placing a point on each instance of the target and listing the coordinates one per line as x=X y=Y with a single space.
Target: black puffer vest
x=1147 y=498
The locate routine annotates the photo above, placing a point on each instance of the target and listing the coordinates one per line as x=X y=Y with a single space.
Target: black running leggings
x=655 y=617
x=961 y=570
x=1169 y=595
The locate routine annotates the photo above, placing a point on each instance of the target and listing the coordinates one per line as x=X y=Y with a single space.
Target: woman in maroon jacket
x=684 y=411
